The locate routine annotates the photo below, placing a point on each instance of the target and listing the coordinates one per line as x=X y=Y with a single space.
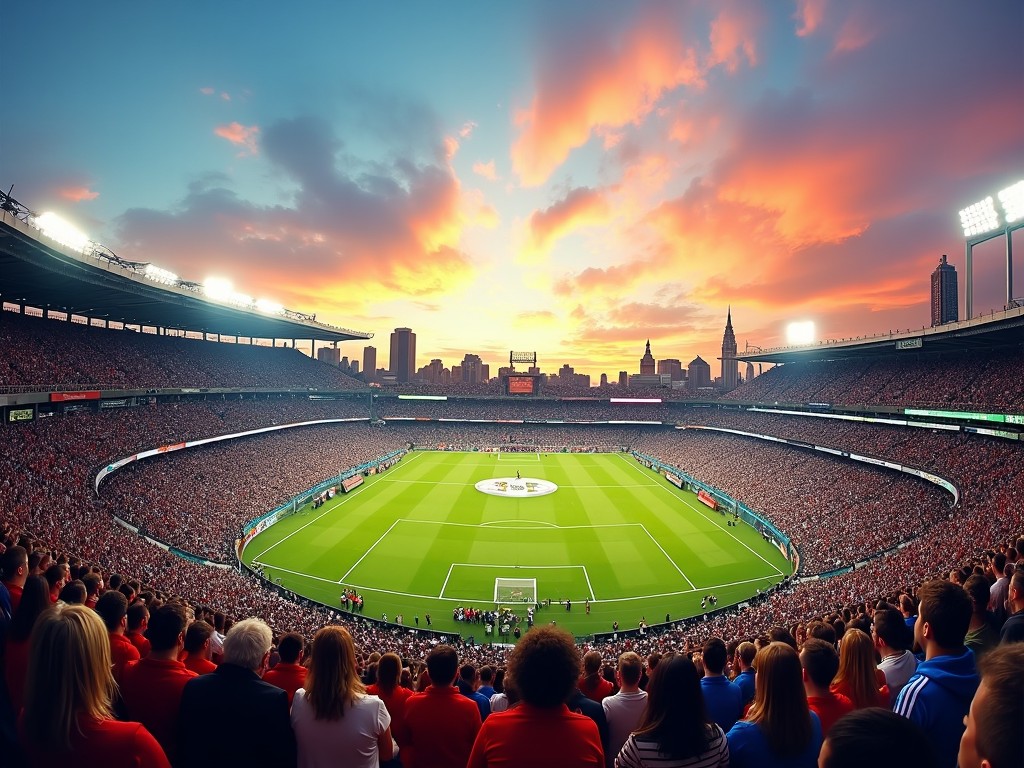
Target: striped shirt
x=640 y=753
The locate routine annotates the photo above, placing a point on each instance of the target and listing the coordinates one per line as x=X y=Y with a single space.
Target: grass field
x=421 y=539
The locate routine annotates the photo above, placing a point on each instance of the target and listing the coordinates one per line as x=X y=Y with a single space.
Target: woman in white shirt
x=335 y=721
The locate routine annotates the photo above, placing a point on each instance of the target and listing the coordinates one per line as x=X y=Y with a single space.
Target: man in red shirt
x=151 y=688
x=440 y=723
x=541 y=731
x=57 y=575
x=138 y=620
x=113 y=609
x=821 y=662
x=197 y=648
x=288 y=674
x=592 y=684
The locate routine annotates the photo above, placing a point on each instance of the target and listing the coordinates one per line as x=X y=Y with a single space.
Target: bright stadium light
x=979 y=218
x=800 y=333
x=160 y=275
x=269 y=307
x=218 y=288
x=65 y=233
x=1012 y=201
x=981 y=222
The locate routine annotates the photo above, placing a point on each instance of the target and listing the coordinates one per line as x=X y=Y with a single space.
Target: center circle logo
x=515 y=487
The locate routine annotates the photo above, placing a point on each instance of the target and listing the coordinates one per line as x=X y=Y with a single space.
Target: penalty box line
x=452 y=567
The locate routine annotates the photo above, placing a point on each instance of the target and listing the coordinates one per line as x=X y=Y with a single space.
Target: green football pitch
x=422 y=539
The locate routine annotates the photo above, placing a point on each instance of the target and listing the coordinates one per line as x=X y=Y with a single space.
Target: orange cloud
x=733 y=34
x=607 y=85
x=207 y=91
x=809 y=15
x=78 y=194
x=467 y=129
x=241 y=135
x=581 y=207
x=486 y=170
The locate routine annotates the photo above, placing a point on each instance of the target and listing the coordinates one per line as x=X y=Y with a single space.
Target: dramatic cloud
x=581 y=207
x=486 y=170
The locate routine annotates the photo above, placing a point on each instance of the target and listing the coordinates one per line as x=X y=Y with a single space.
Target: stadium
x=141 y=444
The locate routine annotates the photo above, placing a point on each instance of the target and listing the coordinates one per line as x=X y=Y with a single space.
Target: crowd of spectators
x=965 y=380
x=837 y=512
x=77 y=356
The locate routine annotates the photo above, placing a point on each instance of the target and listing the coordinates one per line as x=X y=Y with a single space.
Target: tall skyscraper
x=647 y=363
x=698 y=374
x=403 y=354
x=672 y=367
x=945 y=296
x=730 y=365
x=370 y=363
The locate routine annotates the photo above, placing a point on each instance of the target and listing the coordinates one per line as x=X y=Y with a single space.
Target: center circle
x=516 y=487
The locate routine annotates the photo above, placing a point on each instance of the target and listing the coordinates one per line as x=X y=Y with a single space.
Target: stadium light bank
x=982 y=222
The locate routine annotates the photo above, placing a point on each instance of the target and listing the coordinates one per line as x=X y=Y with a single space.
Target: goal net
x=515 y=590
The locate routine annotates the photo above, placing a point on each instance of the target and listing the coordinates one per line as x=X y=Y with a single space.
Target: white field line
x=590 y=587
x=443 y=586
x=699 y=511
x=372 y=546
x=666 y=555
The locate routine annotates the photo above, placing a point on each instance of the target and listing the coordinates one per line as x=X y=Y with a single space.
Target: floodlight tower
x=982 y=222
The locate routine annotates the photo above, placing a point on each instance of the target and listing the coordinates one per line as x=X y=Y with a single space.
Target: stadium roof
x=995 y=330
x=40 y=272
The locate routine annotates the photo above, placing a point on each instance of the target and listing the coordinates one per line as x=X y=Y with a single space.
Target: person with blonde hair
x=335 y=721
x=780 y=730
x=858 y=678
x=68 y=715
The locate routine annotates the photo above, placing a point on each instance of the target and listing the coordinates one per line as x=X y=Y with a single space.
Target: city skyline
x=572 y=178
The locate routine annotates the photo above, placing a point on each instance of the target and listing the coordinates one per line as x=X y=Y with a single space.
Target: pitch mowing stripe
x=699 y=511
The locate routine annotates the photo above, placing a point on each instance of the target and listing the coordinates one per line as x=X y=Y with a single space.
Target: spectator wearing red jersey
x=592 y=683
x=288 y=674
x=35 y=600
x=197 y=648
x=151 y=687
x=15 y=570
x=820 y=663
x=394 y=696
x=113 y=609
x=138 y=620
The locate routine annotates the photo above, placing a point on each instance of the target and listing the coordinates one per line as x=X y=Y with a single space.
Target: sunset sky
x=566 y=177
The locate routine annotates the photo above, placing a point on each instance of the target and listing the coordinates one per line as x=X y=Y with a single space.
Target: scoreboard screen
x=521 y=385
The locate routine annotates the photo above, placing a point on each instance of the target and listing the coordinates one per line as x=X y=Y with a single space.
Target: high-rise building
x=945 y=296
x=672 y=367
x=403 y=354
x=750 y=373
x=698 y=374
x=369 y=362
x=730 y=365
x=623 y=379
x=474 y=370
x=604 y=379
x=647 y=364
x=330 y=355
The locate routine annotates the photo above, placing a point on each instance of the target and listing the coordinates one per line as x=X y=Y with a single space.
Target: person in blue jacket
x=780 y=731
x=938 y=696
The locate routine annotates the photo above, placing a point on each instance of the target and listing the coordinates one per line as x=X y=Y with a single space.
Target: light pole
x=982 y=222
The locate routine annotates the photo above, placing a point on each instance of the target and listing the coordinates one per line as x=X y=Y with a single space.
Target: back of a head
x=544 y=666
x=1017 y=583
x=165 y=626
x=714 y=655
x=247 y=643
x=290 y=647
x=675 y=715
x=892 y=630
x=73 y=593
x=467 y=673
x=137 y=613
x=630 y=668
x=332 y=681
x=196 y=635
x=68 y=675
x=820 y=660
x=822 y=631
x=442 y=664
x=876 y=734
x=112 y=607
x=389 y=671
x=977 y=587
x=486 y=674
x=946 y=608
x=592 y=662
x=997 y=712
x=746 y=652
x=780 y=704
x=999 y=562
